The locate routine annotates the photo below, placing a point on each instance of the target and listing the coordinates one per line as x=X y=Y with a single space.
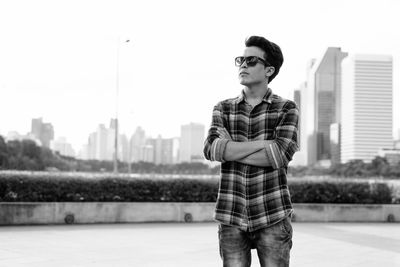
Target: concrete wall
x=102 y=212
x=346 y=213
x=15 y=213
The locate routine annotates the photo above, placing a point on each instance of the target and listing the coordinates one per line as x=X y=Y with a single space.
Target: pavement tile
x=193 y=244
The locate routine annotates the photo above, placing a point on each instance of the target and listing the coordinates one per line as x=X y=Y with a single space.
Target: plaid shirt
x=251 y=197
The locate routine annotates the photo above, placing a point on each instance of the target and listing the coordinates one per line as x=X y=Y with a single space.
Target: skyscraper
x=162 y=149
x=92 y=146
x=62 y=146
x=367 y=119
x=191 y=142
x=42 y=131
x=320 y=104
x=123 y=148
x=103 y=143
x=300 y=158
x=327 y=98
x=138 y=141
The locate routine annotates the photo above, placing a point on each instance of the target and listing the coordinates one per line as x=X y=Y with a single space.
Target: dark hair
x=272 y=52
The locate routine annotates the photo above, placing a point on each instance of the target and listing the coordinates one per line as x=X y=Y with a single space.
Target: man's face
x=251 y=75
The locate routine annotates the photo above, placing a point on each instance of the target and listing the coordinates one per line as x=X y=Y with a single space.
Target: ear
x=269 y=71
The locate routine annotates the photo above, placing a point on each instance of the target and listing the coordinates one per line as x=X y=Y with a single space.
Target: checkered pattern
x=252 y=197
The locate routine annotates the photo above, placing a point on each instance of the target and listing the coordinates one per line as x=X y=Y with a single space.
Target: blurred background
x=129 y=86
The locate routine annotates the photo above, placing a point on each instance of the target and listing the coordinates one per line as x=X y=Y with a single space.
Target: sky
x=65 y=61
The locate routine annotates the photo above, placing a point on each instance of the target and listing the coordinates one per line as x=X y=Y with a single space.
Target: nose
x=244 y=64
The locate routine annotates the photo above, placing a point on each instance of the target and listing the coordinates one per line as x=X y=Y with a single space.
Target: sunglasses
x=250 y=61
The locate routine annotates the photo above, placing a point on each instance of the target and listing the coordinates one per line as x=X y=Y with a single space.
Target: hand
x=223 y=133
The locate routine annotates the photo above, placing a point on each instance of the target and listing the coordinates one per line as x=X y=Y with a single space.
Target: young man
x=254 y=136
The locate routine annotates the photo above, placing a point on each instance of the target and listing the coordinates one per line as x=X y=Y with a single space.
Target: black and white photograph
x=199 y=133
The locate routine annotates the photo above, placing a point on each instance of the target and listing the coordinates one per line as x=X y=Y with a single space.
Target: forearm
x=239 y=150
x=272 y=156
x=259 y=159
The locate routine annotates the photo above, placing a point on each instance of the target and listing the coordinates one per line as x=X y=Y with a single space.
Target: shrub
x=47 y=187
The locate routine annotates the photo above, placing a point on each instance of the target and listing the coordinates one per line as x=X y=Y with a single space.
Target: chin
x=243 y=82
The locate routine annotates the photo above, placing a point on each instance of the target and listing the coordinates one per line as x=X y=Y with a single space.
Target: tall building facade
x=367 y=119
x=162 y=150
x=123 y=143
x=327 y=99
x=92 y=146
x=191 y=142
x=101 y=144
x=42 y=131
x=321 y=105
x=62 y=146
x=299 y=158
x=138 y=141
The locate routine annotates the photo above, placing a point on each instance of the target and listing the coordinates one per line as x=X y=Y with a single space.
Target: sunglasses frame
x=252 y=63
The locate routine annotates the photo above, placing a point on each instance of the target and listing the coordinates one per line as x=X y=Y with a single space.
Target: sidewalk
x=195 y=244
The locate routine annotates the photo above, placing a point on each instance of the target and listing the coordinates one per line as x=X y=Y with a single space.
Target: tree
x=3 y=154
x=380 y=166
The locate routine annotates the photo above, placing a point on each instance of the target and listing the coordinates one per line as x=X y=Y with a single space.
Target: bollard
x=391 y=218
x=188 y=217
x=69 y=219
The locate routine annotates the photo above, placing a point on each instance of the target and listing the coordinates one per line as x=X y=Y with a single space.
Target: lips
x=243 y=73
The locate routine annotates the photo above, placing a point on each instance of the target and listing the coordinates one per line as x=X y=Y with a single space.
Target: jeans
x=273 y=245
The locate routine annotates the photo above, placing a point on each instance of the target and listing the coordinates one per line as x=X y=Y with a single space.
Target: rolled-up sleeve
x=214 y=147
x=280 y=151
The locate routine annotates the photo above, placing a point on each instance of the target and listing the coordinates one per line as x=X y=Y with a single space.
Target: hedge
x=37 y=188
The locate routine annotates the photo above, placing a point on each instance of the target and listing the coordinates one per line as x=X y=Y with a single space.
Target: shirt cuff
x=218 y=149
x=273 y=155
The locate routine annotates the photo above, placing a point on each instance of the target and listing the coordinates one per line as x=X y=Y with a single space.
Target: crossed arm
x=275 y=153
x=251 y=153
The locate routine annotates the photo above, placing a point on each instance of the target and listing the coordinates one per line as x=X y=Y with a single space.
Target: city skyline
x=100 y=143
x=59 y=61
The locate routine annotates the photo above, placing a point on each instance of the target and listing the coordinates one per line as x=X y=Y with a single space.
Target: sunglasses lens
x=251 y=61
x=239 y=61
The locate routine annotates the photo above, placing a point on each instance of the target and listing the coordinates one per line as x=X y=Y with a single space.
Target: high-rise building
x=327 y=98
x=307 y=110
x=138 y=141
x=320 y=104
x=123 y=145
x=367 y=95
x=162 y=149
x=92 y=146
x=175 y=150
x=191 y=142
x=148 y=153
x=42 y=131
x=36 y=127
x=335 y=143
x=167 y=149
x=299 y=158
x=62 y=146
x=13 y=135
x=103 y=145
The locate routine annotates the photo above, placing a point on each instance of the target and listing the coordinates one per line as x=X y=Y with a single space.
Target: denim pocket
x=286 y=226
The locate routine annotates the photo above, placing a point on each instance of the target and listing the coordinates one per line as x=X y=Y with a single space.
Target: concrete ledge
x=347 y=212
x=14 y=213
x=18 y=213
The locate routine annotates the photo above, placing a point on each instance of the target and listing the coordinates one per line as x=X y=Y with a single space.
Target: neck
x=256 y=92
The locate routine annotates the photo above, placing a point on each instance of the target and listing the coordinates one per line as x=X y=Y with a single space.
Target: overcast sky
x=58 y=59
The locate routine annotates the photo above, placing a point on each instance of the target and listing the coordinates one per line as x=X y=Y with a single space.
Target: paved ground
x=174 y=244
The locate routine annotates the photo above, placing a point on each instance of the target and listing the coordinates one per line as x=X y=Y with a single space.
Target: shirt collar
x=267 y=97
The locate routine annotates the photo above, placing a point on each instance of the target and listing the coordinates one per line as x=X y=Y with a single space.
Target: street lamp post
x=116 y=108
